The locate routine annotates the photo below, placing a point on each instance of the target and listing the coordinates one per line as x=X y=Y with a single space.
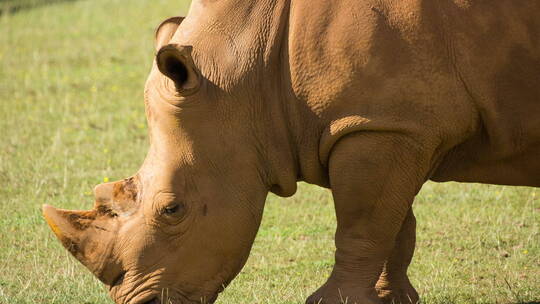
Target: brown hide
x=368 y=98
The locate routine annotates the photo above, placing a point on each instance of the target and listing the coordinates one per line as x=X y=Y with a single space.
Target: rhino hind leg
x=374 y=179
x=394 y=286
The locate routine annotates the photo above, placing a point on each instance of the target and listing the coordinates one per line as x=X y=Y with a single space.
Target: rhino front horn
x=87 y=235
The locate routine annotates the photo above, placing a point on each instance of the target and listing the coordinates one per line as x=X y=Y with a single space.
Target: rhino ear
x=175 y=62
x=166 y=30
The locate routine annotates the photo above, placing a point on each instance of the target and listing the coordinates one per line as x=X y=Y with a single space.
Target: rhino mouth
x=153 y=295
x=153 y=299
x=118 y=280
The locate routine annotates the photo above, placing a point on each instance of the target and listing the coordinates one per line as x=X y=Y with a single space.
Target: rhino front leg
x=374 y=178
x=394 y=286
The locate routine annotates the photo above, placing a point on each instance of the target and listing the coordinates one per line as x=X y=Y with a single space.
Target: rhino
x=370 y=99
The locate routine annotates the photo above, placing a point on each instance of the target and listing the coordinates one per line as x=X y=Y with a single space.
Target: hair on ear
x=166 y=30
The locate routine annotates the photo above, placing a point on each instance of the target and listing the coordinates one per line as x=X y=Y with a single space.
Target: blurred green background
x=72 y=116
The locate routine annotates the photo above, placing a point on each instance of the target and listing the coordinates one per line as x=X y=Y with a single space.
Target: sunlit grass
x=71 y=116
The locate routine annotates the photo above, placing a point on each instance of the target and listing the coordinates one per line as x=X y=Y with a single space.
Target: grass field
x=71 y=114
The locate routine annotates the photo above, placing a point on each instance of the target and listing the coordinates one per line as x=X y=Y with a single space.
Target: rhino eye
x=172 y=209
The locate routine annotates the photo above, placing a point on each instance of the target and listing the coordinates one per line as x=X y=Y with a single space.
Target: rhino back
x=496 y=46
x=459 y=74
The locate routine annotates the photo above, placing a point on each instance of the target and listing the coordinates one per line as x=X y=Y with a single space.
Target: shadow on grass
x=15 y=6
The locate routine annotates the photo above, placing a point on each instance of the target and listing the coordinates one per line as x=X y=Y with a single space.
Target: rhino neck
x=294 y=121
x=294 y=130
x=282 y=158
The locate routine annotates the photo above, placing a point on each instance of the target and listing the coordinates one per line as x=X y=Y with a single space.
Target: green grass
x=71 y=115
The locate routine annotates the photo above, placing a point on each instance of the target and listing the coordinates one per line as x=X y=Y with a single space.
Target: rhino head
x=181 y=228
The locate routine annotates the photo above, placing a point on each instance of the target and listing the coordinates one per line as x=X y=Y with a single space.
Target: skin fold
x=368 y=98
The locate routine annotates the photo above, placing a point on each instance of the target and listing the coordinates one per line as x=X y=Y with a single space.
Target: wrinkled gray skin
x=368 y=98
